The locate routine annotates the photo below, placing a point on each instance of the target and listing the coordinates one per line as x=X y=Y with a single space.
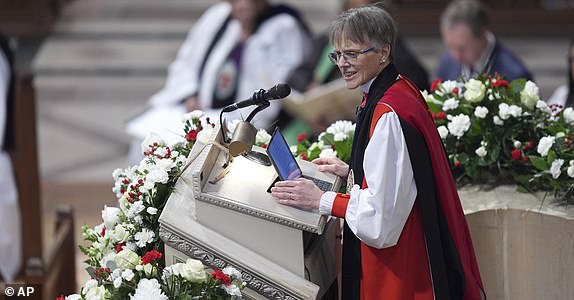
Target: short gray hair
x=363 y=25
x=469 y=12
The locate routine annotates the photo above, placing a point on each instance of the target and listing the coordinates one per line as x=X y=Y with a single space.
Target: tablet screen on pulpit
x=285 y=164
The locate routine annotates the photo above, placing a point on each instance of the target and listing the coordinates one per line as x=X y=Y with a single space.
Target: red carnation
x=516 y=155
x=500 y=83
x=219 y=275
x=530 y=145
x=264 y=146
x=191 y=136
x=103 y=233
x=441 y=115
x=61 y=297
x=303 y=156
x=457 y=164
x=455 y=90
x=150 y=256
x=301 y=137
x=434 y=84
x=120 y=247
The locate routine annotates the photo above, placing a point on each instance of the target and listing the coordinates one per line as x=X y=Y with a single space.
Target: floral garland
x=124 y=255
x=494 y=128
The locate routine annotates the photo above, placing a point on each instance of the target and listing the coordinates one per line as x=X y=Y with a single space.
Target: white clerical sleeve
x=378 y=213
x=182 y=78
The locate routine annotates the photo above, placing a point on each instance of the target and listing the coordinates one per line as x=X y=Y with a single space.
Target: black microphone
x=262 y=97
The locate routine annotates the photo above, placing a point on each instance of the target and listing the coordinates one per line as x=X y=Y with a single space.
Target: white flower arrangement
x=123 y=257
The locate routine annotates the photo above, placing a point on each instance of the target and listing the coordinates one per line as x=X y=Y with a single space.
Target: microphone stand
x=261 y=105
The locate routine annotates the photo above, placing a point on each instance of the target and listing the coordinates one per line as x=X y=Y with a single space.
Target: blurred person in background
x=10 y=232
x=564 y=94
x=472 y=47
x=235 y=48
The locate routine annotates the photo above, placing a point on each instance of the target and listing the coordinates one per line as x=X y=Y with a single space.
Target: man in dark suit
x=472 y=47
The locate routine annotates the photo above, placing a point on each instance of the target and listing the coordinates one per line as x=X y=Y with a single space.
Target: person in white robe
x=10 y=227
x=235 y=48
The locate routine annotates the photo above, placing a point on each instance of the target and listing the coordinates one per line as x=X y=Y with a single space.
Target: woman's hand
x=333 y=165
x=301 y=192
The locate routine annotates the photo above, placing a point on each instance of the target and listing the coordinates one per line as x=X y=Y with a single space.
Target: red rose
x=150 y=256
x=264 y=146
x=434 y=84
x=441 y=115
x=191 y=136
x=530 y=146
x=61 y=297
x=301 y=137
x=219 y=275
x=457 y=164
x=303 y=156
x=516 y=155
x=500 y=83
x=455 y=90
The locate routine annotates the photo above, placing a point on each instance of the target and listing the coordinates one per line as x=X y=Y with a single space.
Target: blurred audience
x=564 y=94
x=317 y=69
x=472 y=48
x=235 y=48
x=10 y=238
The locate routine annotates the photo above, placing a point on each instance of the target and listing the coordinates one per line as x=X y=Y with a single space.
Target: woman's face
x=246 y=11
x=364 y=67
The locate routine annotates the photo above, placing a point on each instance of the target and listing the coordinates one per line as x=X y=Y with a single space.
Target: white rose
x=545 y=144
x=156 y=175
x=204 y=136
x=481 y=151
x=571 y=171
x=555 y=168
x=193 y=271
x=120 y=233
x=127 y=259
x=497 y=121
x=262 y=137
x=151 y=210
x=505 y=111
x=328 y=153
x=529 y=95
x=144 y=237
x=517 y=144
x=95 y=292
x=194 y=115
x=569 y=115
x=480 y=112
x=74 y=297
x=442 y=131
x=111 y=216
x=459 y=125
x=165 y=163
x=449 y=104
x=148 y=269
x=475 y=91
x=149 y=141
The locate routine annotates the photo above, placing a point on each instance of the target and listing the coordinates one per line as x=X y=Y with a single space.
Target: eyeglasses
x=349 y=56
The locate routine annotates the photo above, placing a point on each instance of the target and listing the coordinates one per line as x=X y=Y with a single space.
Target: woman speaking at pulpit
x=405 y=234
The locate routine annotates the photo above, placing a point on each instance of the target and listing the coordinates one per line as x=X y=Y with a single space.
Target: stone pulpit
x=222 y=214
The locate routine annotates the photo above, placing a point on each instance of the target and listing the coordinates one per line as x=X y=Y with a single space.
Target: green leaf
x=539 y=163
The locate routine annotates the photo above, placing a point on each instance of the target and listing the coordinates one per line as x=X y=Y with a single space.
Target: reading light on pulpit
x=242 y=142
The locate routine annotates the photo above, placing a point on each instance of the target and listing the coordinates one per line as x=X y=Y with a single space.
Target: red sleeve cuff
x=339 y=209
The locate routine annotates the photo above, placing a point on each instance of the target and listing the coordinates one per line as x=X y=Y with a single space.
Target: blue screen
x=281 y=156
